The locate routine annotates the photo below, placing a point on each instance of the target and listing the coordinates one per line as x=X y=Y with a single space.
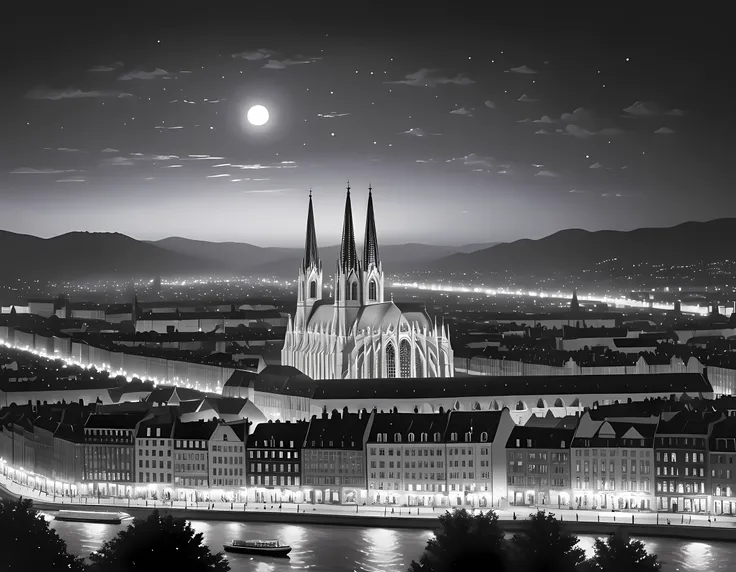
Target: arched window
x=405 y=358
x=372 y=295
x=390 y=361
x=411 y=437
x=397 y=437
x=484 y=437
x=418 y=364
x=313 y=289
x=354 y=291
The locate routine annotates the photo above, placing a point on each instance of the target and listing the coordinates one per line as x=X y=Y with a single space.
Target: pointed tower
x=348 y=286
x=574 y=305
x=309 y=284
x=372 y=275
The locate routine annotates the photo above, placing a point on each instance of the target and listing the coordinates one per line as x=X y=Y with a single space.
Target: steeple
x=348 y=257
x=311 y=254
x=370 y=247
x=574 y=305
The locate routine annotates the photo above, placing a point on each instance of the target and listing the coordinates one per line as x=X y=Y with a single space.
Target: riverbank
x=423 y=518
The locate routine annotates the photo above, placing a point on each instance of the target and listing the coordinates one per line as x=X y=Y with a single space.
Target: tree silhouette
x=465 y=543
x=618 y=553
x=157 y=543
x=544 y=546
x=31 y=544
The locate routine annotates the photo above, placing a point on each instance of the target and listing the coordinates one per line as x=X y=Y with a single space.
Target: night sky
x=472 y=124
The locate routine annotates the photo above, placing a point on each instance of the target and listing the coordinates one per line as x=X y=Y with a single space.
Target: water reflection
x=339 y=549
x=381 y=550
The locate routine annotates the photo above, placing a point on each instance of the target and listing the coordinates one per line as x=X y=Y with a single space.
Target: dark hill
x=91 y=254
x=575 y=250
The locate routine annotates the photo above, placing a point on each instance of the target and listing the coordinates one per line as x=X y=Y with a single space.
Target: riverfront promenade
x=695 y=527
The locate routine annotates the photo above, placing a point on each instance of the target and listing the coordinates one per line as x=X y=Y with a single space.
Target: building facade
x=155 y=459
x=612 y=463
x=333 y=458
x=191 y=460
x=109 y=454
x=723 y=466
x=683 y=481
x=227 y=464
x=275 y=463
x=359 y=334
x=538 y=466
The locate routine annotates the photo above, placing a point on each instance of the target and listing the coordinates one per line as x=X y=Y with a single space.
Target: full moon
x=258 y=115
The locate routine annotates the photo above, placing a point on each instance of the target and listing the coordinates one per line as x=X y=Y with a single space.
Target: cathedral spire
x=348 y=257
x=370 y=247
x=311 y=254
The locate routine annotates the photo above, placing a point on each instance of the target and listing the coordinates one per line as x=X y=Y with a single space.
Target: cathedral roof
x=311 y=254
x=370 y=246
x=348 y=256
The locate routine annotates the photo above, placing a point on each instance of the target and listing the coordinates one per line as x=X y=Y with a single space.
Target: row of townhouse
x=680 y=461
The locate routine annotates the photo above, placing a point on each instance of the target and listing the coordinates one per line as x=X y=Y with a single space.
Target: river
x=342 y=549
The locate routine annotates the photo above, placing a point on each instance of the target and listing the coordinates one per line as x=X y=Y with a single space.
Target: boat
x=90 y=516
x=258 y=547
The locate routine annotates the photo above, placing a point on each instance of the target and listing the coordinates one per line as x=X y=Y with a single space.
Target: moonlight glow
x=258 y=115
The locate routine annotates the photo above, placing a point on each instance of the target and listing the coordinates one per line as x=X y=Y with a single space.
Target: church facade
x=358 y=334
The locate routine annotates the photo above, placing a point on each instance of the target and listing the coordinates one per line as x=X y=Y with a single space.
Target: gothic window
x=372 y=296
x=354 y=291
x=418 y=364
x=390 y=361
x=313 y=289
x=405 y=358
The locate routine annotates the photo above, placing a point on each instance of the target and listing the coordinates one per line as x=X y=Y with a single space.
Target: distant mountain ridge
x=575 y=250
x=80 y=255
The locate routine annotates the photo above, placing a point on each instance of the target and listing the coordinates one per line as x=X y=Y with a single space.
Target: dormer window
x=224 y=437
x=411 y=437
x=424 y=437
x=437 y=437
x=484 y=437
x=453 y=437
x=468 y=437
x=379 y=438
x=562 y=445
x=528 y=442
x=397 y=437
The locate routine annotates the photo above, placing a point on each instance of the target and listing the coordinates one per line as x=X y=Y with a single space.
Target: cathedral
x=358 y=334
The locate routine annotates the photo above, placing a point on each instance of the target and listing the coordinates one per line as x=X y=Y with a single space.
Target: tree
x=465 y=543
x=157 y=543
x=618 y=553
x=544 y=546
x=31 y=543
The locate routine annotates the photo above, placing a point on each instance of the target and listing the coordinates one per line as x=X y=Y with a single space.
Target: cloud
x=109 y=150
x=283 y=64
x=473 y=160
x=542 y=132
x=144 y=75
x=33 y=171
x=430 y=77
x=575 y=191
x=332 y=114
x=217 y=176
x=169 y=128
x=545 y=173
x=69 y=93
x=462 y=111
x=664 y=131
x=525 y=98
x=119 y=162
x=649 y=109
x=426 y=161
x=489 y=104
x=202 y=158
x=596 y=165
x=106 y=68
x=544 y=119
x=172 y=166
x=259 y=166
x=68 y=150
x=522 y=69
x=254 y=55
x=417 y=132
x=525 y=120
x=268 y=191
x=70 y=180
x=580 y=115
x=579 y=132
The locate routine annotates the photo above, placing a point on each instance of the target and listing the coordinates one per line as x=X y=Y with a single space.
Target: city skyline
x=141 y=131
